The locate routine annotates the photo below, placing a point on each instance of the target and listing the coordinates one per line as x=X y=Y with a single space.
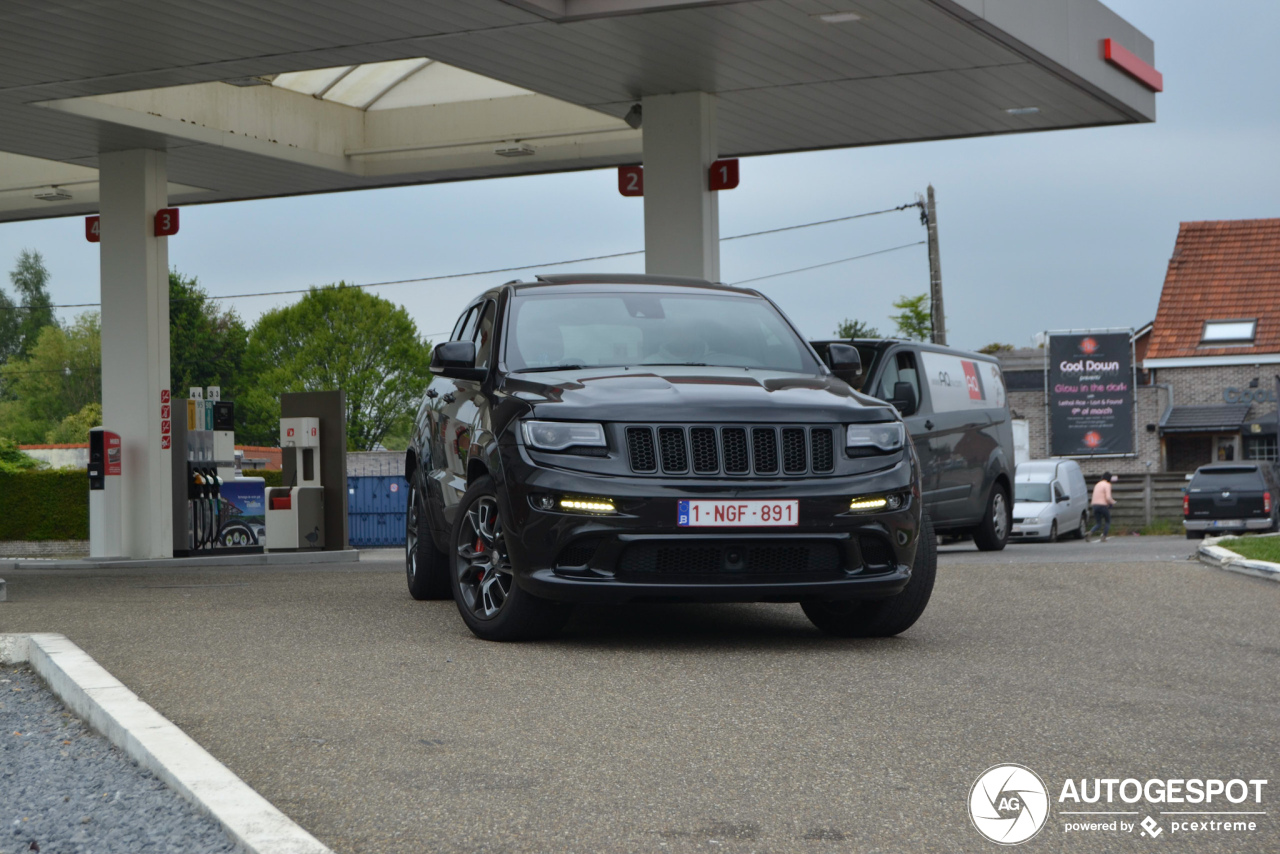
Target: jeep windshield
x=616 y=329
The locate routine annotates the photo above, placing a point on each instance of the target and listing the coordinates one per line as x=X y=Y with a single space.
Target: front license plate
x=739 y=514
x=1228 y=523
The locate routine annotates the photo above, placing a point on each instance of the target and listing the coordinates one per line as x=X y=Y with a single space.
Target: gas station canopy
x=252 y=99
x=126 y=107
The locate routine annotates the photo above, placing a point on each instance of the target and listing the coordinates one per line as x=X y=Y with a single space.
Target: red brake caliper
x=479 y=549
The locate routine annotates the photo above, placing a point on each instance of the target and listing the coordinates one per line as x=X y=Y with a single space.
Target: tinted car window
x=484 y=336
x=901 y=368
x=605 y=330
x=462 y=324
x=1228 y=478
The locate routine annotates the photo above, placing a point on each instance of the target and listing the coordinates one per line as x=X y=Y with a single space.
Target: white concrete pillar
x=681 y=216
x=135 y=342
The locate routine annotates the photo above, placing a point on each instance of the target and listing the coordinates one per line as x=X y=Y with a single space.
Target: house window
x=1262 y=448
x=1228 y=331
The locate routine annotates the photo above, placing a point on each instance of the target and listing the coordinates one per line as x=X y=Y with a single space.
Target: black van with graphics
x=957 y=413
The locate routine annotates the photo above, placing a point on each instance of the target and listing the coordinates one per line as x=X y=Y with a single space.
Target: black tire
x=1084 y=526
x=426 y=568
x=993 y=534
x=1195 y=535
x=492 y=605
x=882 y=618
x=1053 y=531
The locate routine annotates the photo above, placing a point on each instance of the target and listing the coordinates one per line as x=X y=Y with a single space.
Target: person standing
x=1102 y=504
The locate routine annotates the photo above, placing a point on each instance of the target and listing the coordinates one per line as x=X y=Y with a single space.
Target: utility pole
x=938 y=316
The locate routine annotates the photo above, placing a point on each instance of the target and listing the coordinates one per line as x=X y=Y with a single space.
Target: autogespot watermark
x=1009 y=804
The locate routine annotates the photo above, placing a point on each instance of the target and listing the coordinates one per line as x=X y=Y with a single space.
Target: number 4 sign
x=93 y=229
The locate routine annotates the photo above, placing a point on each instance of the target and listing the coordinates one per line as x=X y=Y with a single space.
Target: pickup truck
x=1230 y=499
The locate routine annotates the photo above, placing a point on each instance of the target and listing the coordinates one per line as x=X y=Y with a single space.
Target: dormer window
x=1228 y=332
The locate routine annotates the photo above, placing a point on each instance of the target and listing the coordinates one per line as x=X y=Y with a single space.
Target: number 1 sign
x=723 y=175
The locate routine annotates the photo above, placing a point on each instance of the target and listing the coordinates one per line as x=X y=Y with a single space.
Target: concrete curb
x=1212 y=554
x=272 y=559
x=152 y=741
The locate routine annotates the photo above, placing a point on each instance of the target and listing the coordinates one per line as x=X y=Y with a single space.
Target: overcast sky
x=1037 y=231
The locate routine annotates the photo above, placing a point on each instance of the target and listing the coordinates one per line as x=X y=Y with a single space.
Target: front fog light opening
x=586 y=504
x=872 y=503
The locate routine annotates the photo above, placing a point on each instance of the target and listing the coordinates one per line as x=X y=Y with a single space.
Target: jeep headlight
x=558 y=435
x=882 y=436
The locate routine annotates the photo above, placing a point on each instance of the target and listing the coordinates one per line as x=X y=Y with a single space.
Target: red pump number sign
x=166 y=222
x=723 y=175
x=631 y=180
x=166 y=225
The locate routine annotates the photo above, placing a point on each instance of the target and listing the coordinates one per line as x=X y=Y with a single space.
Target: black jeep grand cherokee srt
x=635 y=438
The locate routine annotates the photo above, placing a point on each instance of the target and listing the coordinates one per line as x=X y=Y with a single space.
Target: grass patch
x=1254 y=548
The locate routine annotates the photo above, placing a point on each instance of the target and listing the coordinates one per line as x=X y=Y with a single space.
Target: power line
x=829 y=263
x=510 y=269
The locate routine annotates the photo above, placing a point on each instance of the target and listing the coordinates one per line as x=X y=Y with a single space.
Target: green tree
x=335 y=337
x=10 y=336
x=996 y=347
x=13 y=460
x=75 y=427
x=856 y=329
x=33 y=310
x=206 y=346
x=914 y=323
x=62 y=375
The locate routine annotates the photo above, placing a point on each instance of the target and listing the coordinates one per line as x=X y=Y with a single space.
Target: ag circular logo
x=1008 y=804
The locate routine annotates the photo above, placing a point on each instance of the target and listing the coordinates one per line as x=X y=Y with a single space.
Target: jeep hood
x=693 y=394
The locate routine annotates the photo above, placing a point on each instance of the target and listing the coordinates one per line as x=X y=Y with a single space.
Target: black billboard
x=1090 y=394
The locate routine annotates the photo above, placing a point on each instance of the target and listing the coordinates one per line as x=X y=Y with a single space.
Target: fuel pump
x=295 y=512
x=104 y=493
x=215 y=509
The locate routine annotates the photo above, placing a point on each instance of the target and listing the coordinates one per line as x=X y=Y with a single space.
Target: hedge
x=54 y=505
x=44 y=505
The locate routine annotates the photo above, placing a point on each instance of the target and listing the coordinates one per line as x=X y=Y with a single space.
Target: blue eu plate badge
x=683 y=514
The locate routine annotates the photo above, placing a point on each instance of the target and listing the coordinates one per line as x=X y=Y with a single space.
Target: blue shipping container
x=375 y=510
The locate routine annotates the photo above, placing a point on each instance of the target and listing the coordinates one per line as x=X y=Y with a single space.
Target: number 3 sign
x=166 y=222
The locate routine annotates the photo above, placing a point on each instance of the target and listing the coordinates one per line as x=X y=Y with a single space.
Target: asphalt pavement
x=379 y=724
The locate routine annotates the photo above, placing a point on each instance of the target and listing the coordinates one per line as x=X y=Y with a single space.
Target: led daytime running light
x=587 y=505
x=863 y=504
x=868 y=503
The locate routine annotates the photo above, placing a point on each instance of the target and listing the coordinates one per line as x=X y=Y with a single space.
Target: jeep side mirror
x=904 y=398
x=456 y=360
x=845 y=363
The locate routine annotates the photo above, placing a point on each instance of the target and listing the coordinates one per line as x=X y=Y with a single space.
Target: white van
x=1050 y=499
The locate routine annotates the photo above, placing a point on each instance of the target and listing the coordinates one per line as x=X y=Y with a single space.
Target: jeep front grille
x=731 y=450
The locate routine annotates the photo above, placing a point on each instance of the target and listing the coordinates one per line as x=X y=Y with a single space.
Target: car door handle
x=928 y=425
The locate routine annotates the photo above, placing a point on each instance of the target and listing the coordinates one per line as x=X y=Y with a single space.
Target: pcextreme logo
x=1009 y=804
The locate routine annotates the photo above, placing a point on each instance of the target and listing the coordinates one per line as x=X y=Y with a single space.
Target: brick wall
x=1151 y=404
x=1201 y=386
x=44 y=548
x=1198 y=386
